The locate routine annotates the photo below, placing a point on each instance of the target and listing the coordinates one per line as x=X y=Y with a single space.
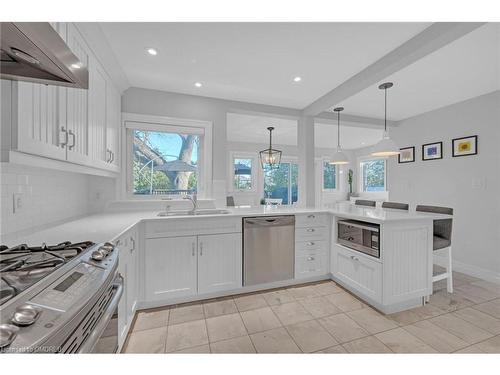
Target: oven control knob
x=26 y=315
x=109 y=247
x=8 y=333
x=97 y=255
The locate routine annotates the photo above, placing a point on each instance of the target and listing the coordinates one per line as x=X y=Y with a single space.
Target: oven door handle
x=96 y=334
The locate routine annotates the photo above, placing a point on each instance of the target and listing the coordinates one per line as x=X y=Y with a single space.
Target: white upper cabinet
x=74 y=125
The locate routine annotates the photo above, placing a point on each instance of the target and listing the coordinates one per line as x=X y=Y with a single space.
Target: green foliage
x=374 y=175
x=142 y=179
x=329 y=174
x=350 y=175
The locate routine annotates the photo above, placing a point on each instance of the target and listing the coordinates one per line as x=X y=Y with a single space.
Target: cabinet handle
x=132 y=239
x=311 y=230
x=354 y=258
x=74 y=139
x=201 y=248
x=112 y=156
x=311 y=216
x=310 y=258
x=108 y=155
x=63 y=133
x=310 y=243
x=192 y=249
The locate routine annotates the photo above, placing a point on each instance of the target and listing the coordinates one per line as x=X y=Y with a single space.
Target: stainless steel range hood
x=34 y=52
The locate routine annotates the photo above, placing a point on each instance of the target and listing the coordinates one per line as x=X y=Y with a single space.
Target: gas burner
x=22 y=266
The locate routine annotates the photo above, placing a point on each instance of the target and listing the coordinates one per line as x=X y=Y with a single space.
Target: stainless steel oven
x=359 y=235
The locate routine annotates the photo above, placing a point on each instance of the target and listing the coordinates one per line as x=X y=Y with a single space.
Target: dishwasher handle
x=266 y=221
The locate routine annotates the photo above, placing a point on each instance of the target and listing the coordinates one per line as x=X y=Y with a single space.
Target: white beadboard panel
x=219 y=262
x=406 y=262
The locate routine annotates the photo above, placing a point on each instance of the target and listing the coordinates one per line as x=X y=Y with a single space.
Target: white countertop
x=110 y=225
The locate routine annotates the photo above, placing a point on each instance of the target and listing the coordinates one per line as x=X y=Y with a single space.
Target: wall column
x=305 y=143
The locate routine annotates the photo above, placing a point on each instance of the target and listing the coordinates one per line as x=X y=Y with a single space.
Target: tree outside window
x=329 y=176
x=373 y=173
x=242 y=174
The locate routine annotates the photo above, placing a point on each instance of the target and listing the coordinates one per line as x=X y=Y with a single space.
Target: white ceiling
x=465 y=68
x=253 y=129
x=253 y=62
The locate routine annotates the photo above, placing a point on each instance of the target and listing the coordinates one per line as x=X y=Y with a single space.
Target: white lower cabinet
x=178 y=267
x=219 y=262
x=358 y=272
x=170 y=267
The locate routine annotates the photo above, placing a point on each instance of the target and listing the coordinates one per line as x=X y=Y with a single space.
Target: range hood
x=34 y=52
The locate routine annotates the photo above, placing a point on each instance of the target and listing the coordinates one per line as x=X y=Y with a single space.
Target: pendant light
x=386 y=147
x=270 y=157
x=339 y=157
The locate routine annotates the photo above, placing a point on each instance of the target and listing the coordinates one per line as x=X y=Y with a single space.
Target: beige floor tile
x=307 y=291
x=343 y=328
x=438 y=338
x=460 y=328
x=319 y=307
x=241 y=344
x=492 y=287
x=278 y=297
x=217 y=308
x=291 y=313
x=449 y=301
x=475 y=293
x=366 y=345
x=416 y=314
x=260 y=320
x=479 y=319
x=372 y=320
x=463 y=278
x=225 y=327
x=492 y=308
x=250 y=302
x=147 y=341
x=326 y=288
x=338 y=349
x=274 y=341
x=310 y=336
x=184 y=314
x=149 y=319
x=345 y=301
x=186 y=335
x=490 y=346
x=401 y=341
x=202 y=349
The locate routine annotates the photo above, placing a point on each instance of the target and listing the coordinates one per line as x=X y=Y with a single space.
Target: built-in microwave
x=360 y=236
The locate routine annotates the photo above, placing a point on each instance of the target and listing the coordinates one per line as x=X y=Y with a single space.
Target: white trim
x=255 y=165
x=164 y=122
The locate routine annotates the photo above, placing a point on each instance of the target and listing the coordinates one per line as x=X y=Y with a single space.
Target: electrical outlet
x=18 y=202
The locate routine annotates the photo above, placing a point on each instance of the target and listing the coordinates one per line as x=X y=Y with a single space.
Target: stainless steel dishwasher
x=268 y=249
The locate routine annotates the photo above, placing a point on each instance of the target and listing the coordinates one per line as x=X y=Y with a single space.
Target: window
x=282 y=183
x=164 y=163
x=329 y=176
x=242 y=172
x=373 y=175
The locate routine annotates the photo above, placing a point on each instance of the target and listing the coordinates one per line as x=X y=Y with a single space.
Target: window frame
x=362 y=160
x=322 y=171
x=243 y=155
x=131 y=121
x=286 y=160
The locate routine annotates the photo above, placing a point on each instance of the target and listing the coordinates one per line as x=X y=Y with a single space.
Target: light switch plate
x=18 y=202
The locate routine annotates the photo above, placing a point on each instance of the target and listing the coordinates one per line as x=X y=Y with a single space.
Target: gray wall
x=469 y=184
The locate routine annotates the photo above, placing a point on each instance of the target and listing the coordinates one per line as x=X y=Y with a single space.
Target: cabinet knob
x=311 y=216
x=310 y=258
x=354 y=258
x=310 y=243
x=311 y=230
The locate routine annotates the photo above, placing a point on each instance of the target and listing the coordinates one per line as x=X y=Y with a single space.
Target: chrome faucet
x=194 y=200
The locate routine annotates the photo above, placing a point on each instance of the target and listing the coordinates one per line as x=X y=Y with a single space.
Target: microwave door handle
x=356 y=225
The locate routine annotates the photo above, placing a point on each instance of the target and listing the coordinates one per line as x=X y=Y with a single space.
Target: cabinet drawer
x=312 y=245
x=310 y=233
x=311 y=264
x=358 y=272
x=191 y=226
x=311 y=220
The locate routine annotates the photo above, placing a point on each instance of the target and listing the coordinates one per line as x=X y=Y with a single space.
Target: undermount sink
x=209 y=211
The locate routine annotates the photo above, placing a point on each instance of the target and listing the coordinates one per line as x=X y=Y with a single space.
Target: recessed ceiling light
x=198 y=84
x=152 y=51
x=297 y=79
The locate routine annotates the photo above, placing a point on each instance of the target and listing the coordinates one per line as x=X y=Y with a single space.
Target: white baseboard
x=470 y=269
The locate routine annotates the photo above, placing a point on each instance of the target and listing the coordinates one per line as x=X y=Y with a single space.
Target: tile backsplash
x=46 y=197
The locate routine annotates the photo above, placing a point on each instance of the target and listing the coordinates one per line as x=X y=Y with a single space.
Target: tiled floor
x=324 y=318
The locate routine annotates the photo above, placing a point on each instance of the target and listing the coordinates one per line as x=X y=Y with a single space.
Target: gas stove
x=59 y=298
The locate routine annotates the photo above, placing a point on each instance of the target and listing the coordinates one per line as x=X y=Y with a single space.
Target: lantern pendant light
x=386 y=147
x=339 y=157
x=270 y=158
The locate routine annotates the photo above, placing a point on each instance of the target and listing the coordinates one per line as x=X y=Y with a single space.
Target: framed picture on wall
x=464 y=146
x=431 y=151
x=407 y=155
